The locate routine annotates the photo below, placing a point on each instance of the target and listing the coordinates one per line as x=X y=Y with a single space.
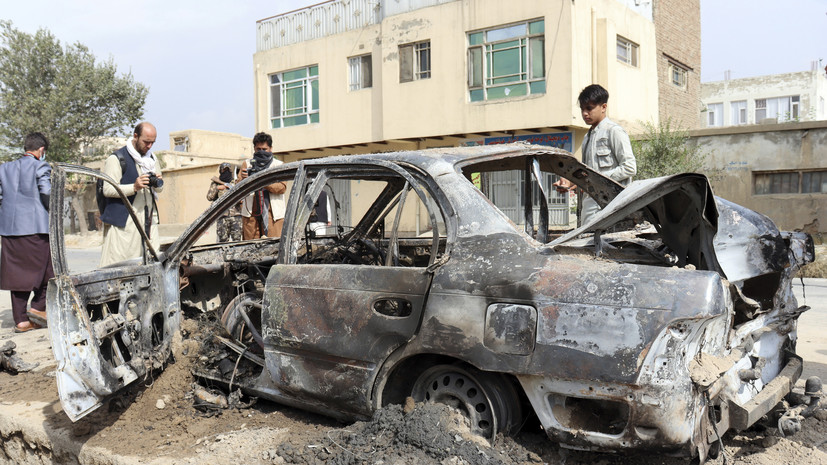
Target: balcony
x=329 y=18
x=316 y=21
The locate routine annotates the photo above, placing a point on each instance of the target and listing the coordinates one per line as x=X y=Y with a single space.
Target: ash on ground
x=422 y=433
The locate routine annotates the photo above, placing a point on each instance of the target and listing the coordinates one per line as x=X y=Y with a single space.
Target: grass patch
x=817 y=269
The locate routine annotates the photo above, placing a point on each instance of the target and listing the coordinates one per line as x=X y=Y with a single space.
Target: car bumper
x=670 y=418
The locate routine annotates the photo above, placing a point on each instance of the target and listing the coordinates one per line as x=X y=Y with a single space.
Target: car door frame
x=111 y=326
x=318 y=363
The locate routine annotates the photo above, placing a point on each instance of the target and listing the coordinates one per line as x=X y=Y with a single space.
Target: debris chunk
x=12 y=363
x=211 y=398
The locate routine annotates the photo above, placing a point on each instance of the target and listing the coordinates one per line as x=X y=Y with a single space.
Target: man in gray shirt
x=606 y=147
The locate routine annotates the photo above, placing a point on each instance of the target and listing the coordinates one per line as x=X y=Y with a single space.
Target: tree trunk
x=80 y=211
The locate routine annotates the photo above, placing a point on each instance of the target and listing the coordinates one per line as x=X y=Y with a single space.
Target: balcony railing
x=315 y=21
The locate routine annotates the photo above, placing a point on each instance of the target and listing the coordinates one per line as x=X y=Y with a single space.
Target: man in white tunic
x=121 y=238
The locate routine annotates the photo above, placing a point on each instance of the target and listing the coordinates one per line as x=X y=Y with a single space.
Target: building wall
x=810 y=86
x=205 y=147
x=678 y=36
x=738 y=153
x=396 y=114
x=185 y=193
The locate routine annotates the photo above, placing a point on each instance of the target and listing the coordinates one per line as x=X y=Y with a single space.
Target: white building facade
x=778 y=98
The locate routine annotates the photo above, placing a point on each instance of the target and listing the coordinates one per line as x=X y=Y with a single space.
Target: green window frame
x=294 y=97
x=507 y=61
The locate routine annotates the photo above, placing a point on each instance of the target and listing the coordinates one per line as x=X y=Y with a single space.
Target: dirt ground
x=156 y=422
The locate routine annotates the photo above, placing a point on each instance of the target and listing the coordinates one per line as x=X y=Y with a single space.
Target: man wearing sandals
x=25 y=257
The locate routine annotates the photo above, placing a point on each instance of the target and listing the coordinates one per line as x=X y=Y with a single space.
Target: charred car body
x=659 y=337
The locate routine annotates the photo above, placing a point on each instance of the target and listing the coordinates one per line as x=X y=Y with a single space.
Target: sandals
x=37 y=317
x=26 y=326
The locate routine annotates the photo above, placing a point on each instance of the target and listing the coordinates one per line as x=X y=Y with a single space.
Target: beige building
x=194 y=147
x=357 y=76
x=189 y=166
x=360 y=76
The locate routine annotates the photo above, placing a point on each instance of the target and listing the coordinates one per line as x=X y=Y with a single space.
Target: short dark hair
x=594 y=94
x=34 y=141
x=263 y=137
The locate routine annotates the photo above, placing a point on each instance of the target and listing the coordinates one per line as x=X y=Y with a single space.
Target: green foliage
x=62 y=92
x=663 y=150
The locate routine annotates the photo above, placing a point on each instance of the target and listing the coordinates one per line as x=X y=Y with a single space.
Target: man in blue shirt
x=25 y=257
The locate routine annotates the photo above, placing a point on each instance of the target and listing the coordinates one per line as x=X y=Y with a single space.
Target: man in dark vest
x=141 y=180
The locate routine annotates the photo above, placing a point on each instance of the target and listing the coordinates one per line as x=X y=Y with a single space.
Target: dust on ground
x=155 y=421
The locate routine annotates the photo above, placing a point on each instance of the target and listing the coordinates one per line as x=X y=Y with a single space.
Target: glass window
x=182 y=144
x=360 y=72
x=627 y=51
x=781 y=109
x=738 y=112
x=715 y=113
x=415 y=61
x=678 y=74
x=507 y=61
x=775 y=183
x=811 y=182
x=814 y=182
x=794 y=102
x=760 y=109
x=294 y=97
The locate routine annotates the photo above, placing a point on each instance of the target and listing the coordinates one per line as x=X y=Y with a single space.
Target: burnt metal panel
x=596 y=318
x=324 y=333
x=748 y=243
x=743 y=416
x=510 y=328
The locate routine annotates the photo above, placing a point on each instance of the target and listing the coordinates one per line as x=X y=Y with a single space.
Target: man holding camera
x=262 y=211
x=139 y=175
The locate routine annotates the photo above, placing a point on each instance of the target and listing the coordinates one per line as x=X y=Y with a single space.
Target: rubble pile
x=421 y=433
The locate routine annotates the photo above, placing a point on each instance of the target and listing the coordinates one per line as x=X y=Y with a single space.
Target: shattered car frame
x=662 y=336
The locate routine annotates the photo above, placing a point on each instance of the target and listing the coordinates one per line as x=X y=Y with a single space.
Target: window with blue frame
x=294 y=97
x=507 y=61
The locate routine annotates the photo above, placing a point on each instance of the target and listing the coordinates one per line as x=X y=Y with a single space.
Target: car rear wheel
x=488 y=400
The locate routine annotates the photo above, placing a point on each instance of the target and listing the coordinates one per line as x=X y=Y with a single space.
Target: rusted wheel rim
x=458 y=388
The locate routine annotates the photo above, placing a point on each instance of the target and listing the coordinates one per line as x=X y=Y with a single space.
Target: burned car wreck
x=661 y=336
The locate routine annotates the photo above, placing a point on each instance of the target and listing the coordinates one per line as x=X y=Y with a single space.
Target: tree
x=63 y=92
x=66 y=94
x=663 y=150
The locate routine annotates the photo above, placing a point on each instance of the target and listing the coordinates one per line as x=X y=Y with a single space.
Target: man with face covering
x=262 y=211
x=228 y=226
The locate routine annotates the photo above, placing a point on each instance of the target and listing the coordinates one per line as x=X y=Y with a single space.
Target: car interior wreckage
x=665 y=321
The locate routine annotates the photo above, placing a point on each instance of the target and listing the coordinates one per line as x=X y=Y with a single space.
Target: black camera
x=253 y=169
x=155 y=181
